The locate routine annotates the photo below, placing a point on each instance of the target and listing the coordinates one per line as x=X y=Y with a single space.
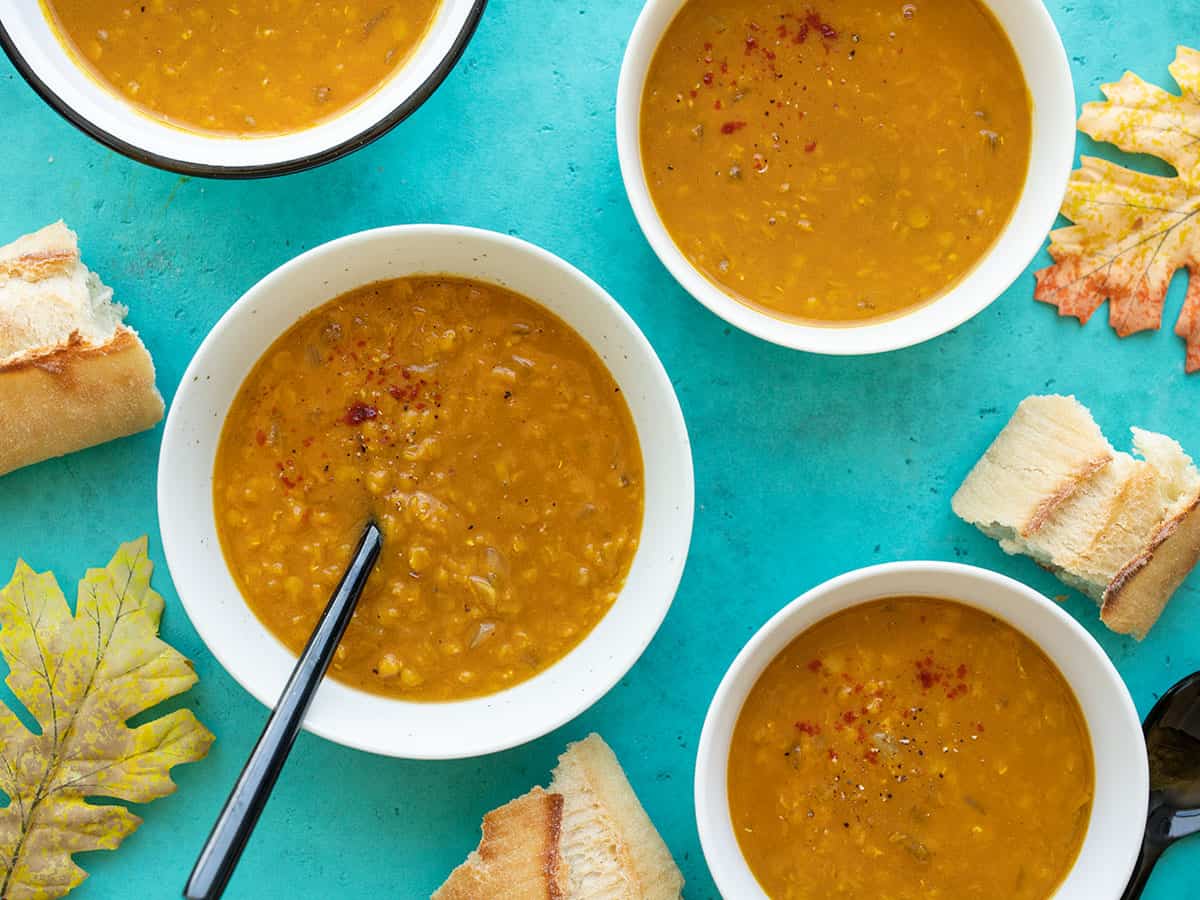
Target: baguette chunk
x=612 y=849
x=518 y=856
x=1124 y=530
x=72 y=374
x=1046 y=453
x=587 y=838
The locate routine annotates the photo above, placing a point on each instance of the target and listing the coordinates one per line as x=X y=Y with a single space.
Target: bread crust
x=1139 y=592
x=518 y=856
x=75 y=397
x=71 y=374
x=43 y=254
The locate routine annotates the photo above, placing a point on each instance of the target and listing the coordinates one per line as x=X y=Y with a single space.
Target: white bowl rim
x=286 y=166
x=632 y=650
x=1052 y=156
x=712 y=812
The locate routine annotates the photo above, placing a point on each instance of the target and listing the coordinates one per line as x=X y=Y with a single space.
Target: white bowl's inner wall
x=35 y=40
x=256 y=658
x=1119 y=810
x=1046 y=72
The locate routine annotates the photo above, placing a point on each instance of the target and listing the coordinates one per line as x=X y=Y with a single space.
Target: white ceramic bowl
x=1114 y=833
x=40 y=57
x=1048 y=75
x=254 y=657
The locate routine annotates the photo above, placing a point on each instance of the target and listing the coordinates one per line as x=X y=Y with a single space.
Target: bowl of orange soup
x=845 y=177
x=921 y=729
x=509 y=429
x=236 y=88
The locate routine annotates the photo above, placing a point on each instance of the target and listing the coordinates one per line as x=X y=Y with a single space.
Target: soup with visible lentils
x=489 y=442
x=911 y=748
x=252 y=67
x=835 y=162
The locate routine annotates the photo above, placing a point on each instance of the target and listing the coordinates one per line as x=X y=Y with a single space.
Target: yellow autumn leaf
x=1133 y=231
x=82 y=677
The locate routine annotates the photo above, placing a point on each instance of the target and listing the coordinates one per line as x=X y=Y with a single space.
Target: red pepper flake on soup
x=360 y=412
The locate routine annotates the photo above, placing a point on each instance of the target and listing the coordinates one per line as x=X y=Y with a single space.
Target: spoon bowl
x=1172 y=732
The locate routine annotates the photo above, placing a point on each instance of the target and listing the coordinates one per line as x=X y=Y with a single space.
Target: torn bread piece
x=1136 y=595
x=518 y=856
x=1048 y=450
x=1122 y=531
x=601 y=846
x=610 y=845
x=72 y=374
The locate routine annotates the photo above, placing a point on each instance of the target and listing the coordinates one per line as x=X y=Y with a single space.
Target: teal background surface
x=806 y=466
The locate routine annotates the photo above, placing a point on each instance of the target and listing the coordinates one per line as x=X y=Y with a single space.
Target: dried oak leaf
x=82 y=677
x=1133 y=231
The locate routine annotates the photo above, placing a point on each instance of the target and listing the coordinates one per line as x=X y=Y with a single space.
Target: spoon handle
x=1150 y=852
x=240 y=814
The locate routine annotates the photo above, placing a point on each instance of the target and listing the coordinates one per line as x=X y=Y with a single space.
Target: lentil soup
x=492 y=446
x=254 y=67
x=835 y=162
x=911 y=748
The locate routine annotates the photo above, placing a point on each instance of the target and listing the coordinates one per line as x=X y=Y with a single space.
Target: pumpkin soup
x=488 y=441
x=255 y=67
x=835 y=161
x=910 y=748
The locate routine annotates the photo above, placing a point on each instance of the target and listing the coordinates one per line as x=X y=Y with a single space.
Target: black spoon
x=229 y=835
x=1173 y=744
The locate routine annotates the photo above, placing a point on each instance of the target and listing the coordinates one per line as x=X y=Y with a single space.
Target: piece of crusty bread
x=1046 y=452
x=1124 y=532
x=72 y=374
x=610 y=845
x=518 y=856
x=597 y=843
x=1138 y=592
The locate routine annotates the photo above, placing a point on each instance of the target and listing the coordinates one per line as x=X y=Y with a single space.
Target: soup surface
x=835 y=161
x=489 y=442
x=242 y=66
x=911 y=748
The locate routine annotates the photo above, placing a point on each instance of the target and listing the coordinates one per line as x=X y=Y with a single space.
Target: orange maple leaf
x=1133 y=231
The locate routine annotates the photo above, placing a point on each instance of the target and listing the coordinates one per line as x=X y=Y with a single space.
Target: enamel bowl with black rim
x=37 y=53
x=257 y=659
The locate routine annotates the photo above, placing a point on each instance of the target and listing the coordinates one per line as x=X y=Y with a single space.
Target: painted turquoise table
x=805 y=466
